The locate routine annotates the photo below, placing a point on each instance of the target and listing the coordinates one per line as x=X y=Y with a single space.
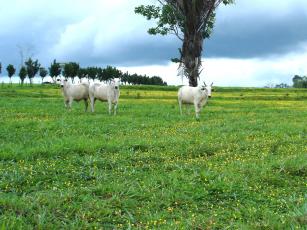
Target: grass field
x=242 y=166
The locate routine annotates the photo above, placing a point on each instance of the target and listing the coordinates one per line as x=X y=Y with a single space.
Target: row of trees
x=73 y=70
x=299 y=81
x=30 y=69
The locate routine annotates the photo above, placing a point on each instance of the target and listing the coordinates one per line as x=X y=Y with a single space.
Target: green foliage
x=92 y=72
x=110 y=73
x=22 y=74
x=81 y=73
x=42 y=73
x=10 y=70
x=55 y=69
x=242 y=166
x=32 y=68
x=167 y=19
x=299 y=82
x=171 y=20
x=71 y=70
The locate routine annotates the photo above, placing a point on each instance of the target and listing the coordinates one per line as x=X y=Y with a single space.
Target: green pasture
x=243 y=165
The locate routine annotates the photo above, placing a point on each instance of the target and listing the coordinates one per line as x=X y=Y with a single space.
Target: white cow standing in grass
x=194 y=95
x=74 y=92
x=109 y=93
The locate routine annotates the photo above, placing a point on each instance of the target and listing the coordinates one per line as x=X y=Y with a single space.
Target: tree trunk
x=192 y=47
x=193 y=40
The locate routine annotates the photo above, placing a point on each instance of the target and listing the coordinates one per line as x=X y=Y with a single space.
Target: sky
x=254 y=43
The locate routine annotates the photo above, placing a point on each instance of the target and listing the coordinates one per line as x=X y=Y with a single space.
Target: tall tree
x=32 y=68
x=191 y=21
x=43 y=73
x=10 y=71
x=55 y=70
x=22 y=74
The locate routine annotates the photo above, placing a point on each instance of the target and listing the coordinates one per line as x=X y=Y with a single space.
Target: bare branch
x=206 y=17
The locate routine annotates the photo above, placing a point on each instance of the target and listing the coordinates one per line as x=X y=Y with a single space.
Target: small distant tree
x=282 y=85
x=32 y=68
x=81 y=73
x=22 y=74
x=71 y=70
x=111 y=72
x=55 y=70
x=74 y=70
x=299 y=82
x=67 y=70
x=10 y=71
x=124 y=78
x=92 y=72
x=43 y=73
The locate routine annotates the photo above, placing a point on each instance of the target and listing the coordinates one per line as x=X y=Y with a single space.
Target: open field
x=242 y=166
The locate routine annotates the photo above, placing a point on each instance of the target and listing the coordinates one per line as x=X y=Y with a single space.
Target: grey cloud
x=258 y=36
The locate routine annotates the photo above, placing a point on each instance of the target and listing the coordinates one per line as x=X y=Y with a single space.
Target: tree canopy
x=55 y=69
x=32 y=68
x=42 y=73
x=299 y=81
x=22 y=74
x=10 y=70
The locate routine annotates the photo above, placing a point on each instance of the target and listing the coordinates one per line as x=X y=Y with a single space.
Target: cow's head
x=115 y=82
x=63 y=82
x=209 y=88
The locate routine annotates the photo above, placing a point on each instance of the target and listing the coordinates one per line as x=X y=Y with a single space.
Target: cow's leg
x=86 y=104
x=92 y=101
x=115 y=108
x=66 y=103
x=180 y=106
x=197 y=109
x=110 y=107
x=70 y=103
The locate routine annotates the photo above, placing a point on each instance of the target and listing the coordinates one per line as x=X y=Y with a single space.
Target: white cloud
x=106 y=26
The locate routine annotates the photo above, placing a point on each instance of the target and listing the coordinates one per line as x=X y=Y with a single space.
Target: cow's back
x=186 y=94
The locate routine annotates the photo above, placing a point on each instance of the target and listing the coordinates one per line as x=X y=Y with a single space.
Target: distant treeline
x=73 y=70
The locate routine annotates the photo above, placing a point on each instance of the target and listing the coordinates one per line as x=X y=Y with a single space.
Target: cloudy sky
x=254 y=43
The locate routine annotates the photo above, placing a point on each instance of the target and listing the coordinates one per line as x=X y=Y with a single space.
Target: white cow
x=194 y=95
x=74 y=92
x=102 y=92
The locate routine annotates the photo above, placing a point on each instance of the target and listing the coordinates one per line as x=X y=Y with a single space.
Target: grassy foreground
x=242 y=166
